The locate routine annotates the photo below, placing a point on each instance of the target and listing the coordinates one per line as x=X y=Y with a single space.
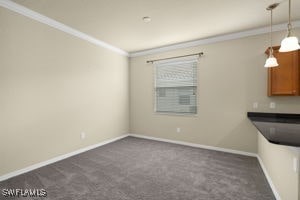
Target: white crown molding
x=57 y=25
x=58 y=158
x=62 y=27
x=221 y=38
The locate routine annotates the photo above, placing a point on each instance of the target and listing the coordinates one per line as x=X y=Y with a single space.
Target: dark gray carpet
x=139 y=169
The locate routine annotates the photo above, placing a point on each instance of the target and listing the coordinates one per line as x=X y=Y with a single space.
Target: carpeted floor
x=140 y=169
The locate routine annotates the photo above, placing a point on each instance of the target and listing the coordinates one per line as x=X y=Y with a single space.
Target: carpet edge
x=244 y=153
x=58 y=158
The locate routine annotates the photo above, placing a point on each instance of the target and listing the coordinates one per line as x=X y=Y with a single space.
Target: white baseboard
x=58 y=158
x=274 y=190
x=196 y=145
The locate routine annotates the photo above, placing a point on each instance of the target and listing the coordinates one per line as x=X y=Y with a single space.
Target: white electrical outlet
x=255 y=105
x=178 y=130
x=273 y=105
x=296 y=165
x=82 y=135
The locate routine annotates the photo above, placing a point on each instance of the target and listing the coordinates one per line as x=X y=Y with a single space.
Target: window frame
x=175 y=113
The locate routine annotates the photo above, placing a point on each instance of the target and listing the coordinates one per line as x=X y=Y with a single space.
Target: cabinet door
x=284 y=79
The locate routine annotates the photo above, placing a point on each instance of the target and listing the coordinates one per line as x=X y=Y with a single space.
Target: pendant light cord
x=289 y=24
x=271 y=39
x=271 y=8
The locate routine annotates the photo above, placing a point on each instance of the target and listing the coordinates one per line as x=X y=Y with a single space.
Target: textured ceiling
x=119 y=22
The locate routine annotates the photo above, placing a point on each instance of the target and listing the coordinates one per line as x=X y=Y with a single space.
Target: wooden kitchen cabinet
x=284 y=79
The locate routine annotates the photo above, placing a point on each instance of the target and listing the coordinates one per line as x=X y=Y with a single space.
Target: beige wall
x=231 y=77
x=278 y=162
x=53 y=86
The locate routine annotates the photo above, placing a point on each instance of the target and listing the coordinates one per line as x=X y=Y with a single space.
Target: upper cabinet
x=284 y=79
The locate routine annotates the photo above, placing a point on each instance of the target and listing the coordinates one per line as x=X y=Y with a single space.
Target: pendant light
x=289 y=43
x=271 y=61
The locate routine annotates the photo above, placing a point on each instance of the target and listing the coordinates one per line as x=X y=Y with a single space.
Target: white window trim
x=154 y=91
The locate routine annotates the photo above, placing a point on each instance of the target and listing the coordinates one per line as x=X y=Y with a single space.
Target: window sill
x=177 y=114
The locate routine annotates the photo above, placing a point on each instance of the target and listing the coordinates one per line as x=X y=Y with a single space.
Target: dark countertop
x=278 y=128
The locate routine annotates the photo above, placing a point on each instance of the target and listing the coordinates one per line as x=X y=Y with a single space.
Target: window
x=176 y=86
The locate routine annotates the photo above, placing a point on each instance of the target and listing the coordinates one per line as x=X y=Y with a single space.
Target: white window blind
x=176 y=85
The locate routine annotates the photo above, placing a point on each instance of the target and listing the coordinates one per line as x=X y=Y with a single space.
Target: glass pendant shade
x=271 y=62
x=289 y=44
